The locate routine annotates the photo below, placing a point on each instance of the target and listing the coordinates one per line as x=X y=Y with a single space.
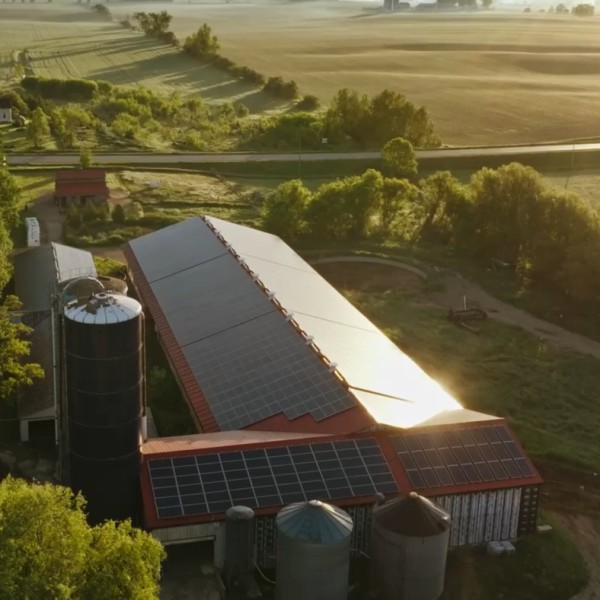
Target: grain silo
x=313 y=552
x=409 y=545
x=103 y=336
x=239 y=547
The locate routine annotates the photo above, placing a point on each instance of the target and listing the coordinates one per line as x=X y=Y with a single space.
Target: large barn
x=300 y=396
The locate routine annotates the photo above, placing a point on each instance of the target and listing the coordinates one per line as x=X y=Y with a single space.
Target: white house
x=6 y=115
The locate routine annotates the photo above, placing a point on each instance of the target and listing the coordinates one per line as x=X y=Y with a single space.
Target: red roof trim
x=181 y=369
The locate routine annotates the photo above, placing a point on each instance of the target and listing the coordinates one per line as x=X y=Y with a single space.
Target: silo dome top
x=412 y=515
x=103 y=309
x=80 y=287
x=315 y=522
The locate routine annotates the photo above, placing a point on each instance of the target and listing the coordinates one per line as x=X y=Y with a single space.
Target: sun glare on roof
x=419 y=398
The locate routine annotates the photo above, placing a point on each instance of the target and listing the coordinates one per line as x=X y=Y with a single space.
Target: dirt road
x=456 y=286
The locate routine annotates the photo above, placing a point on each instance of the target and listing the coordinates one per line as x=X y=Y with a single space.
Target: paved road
x=142 y=158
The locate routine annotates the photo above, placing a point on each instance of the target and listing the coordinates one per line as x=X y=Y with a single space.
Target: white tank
x=313 y=552
x=409 y=544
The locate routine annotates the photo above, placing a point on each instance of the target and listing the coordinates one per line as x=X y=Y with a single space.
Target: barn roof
x=198 y=481
x=38 y=272
x=259 y=339
x=81 y=182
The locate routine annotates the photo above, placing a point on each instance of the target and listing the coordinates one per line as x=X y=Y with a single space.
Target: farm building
x=33 y=232
x=40 y=273
x=79 y=186
x=300 y=396
x=5 y=115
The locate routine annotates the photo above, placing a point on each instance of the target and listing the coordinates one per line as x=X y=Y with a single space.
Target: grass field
x=71 y=41
x=488 y=78
x=545 y=566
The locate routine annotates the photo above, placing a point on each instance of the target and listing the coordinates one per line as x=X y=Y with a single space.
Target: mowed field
x=72 y=41
x=487 y=78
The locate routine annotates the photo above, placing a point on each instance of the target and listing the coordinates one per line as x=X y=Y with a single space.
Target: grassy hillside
x=71 y=41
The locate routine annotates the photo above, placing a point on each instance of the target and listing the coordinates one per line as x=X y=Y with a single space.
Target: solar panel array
x=249 y=362
x=262 y=478
x=461 y=456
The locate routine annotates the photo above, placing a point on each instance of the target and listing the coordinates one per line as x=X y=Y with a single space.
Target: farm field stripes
x=106 y=51
x=488 y=77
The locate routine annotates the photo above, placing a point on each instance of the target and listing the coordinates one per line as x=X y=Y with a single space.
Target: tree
x=561 y=9
x=445 y=208
x=18 y=71
x=37 y=128
x=507 y=209
x=14 y=348
x=10 y=196
x=118 y=214
x=583 y=10
x=486 y=3
x=202 y=43
x=348 y=115
x=284 y=209
x=86 y=158
x=49 y=551
x=346 y=208
x=399 y=158
x=398 y=197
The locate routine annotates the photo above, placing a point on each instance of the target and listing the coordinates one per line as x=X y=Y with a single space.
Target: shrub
x=118 y=214
x=280 y=88
x=308 y=103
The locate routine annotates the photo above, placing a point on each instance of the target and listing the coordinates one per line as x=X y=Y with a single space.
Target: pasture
x=486 y=78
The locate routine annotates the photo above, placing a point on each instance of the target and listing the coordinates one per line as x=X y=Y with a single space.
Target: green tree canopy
x=375 y=121
x=398 y=198
x=49 y=551
x=37 y=127
x=14 y=349
x=202 y=43
x=86 y=158
x=10 y=196
x=284 y=209
x=399 y=158
x=346 y=208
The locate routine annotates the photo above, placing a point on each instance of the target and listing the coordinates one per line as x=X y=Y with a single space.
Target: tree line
x=55 y=110
x=15 y=370
x=549 y=238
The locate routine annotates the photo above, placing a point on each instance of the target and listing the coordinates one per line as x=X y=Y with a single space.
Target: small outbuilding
x=5 y=115
x=80 y=186
x=33 y=232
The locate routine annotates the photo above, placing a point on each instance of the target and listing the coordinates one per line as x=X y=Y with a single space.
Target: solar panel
x=269 y=478
x=260 y=368
x=461 y=456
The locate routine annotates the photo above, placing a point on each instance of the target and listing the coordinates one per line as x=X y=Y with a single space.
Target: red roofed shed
x=79 y=186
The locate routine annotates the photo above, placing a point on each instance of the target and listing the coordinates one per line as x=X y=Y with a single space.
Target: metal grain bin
x=409 y=544
x=313 y=552
x=239 y=546
x=105 y=393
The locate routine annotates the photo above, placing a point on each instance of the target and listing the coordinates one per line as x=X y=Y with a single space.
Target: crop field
x=488 y=78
